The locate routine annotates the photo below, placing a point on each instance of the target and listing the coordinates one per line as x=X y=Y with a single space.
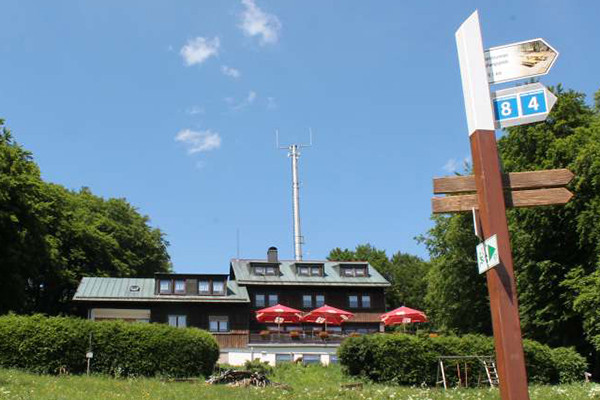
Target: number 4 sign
x=522 y=105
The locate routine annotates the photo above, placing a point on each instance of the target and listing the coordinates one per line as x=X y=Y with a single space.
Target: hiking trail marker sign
x=487 y=254
x=489 y=191
x=522 y=105
x=519 y=60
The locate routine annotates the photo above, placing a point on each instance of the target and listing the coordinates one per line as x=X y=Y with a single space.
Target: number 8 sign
x=522 y=105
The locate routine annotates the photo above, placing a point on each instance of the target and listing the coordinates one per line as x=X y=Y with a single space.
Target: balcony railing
x=300 y=338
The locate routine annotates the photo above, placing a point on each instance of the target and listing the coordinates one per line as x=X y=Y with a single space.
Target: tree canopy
x=556 y=249
x=405 y=272
x=51 y=236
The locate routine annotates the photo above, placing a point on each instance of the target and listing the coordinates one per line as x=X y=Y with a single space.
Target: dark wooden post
x=500 y=279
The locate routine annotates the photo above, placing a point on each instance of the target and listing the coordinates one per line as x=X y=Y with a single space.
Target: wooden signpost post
x=489 y=192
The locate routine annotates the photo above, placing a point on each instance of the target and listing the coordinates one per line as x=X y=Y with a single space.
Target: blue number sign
x=523 y=104
x=533 y=103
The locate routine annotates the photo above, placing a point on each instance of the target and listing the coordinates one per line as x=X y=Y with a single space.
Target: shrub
x=261 y=367
x=48 y=345
x=570 y=365
x=412 y=360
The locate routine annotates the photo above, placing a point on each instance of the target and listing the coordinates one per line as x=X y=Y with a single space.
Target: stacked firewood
x=239 y=378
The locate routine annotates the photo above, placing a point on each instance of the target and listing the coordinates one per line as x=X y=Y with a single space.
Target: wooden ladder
x=491 y=371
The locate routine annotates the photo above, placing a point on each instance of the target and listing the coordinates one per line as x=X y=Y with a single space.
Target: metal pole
x=294 y=154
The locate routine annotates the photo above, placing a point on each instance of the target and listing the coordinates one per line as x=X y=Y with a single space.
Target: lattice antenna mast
x=294 y=154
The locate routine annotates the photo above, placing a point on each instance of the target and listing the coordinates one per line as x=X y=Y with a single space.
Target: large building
x=225 y=304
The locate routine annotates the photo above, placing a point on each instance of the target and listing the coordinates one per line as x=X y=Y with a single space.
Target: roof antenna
x=294 y=154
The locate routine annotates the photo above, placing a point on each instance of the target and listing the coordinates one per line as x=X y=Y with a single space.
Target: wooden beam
x=515 y=180
x=519 y=198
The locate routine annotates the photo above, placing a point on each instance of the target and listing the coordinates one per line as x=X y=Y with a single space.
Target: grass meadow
x=312 y=382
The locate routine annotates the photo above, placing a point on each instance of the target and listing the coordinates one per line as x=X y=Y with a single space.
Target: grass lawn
x=312 y=382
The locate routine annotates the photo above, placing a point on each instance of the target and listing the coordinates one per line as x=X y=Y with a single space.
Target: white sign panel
x=522 y=105
x=487 y=254
x=519 y=60
x=476 y=90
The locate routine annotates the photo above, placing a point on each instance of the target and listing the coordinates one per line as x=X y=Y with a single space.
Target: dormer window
x=208 y=287
x=165 y=286
x=179 y=286
x=204 y=287
x=218 y=287
x=310 y=270
x=269 y=270
x=353 y=270
x=265 y=270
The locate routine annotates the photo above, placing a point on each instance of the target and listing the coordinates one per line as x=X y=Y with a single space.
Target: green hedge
x=50 y=345
x=412 y=360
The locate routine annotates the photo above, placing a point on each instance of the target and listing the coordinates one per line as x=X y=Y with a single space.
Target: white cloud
x=454 y=165
x=200 y=49
x=256 y=22
x=199 y=141
x=451 y=166
x=193 y=110
x=249 y=100
x=230 y=71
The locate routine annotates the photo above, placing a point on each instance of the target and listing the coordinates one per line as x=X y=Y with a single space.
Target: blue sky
x=173 y=105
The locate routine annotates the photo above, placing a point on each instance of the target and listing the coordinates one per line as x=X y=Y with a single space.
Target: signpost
x=489 y=192
x=519 y=60
x=487 y=254
x=522 y=105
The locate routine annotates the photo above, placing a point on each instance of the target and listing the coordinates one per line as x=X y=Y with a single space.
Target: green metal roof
x=119 y=289
x=288 y=276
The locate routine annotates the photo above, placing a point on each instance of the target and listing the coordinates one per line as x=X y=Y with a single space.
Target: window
x=269 y=270
x=165 y=286
x=319 y=300
x=283 y=358
x=179 y=286
x=218 y=287
x=353 y=301
x=273 y=299
x=311 y=359
x=310 y=270
x=259 y=300
x=366 y=301
x=353 y=270
x=204 y=287
x=180 y=321
x=307 y=301
x=218 y=323
x=259 y=270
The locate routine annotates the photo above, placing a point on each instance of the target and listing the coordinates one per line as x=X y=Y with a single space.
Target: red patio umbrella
x=403 y=315
x=327 y=315
x=279 y=314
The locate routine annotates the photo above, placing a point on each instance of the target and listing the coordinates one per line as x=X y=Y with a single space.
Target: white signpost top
x=519 y=60
x=476 y=89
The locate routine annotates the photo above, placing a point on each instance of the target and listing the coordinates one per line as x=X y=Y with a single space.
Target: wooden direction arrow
x=515 y=180
x=519 y=198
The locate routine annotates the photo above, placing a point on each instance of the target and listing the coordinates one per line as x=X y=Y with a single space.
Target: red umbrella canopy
x=403 y=315
x=279 y=314
x=327 y=315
